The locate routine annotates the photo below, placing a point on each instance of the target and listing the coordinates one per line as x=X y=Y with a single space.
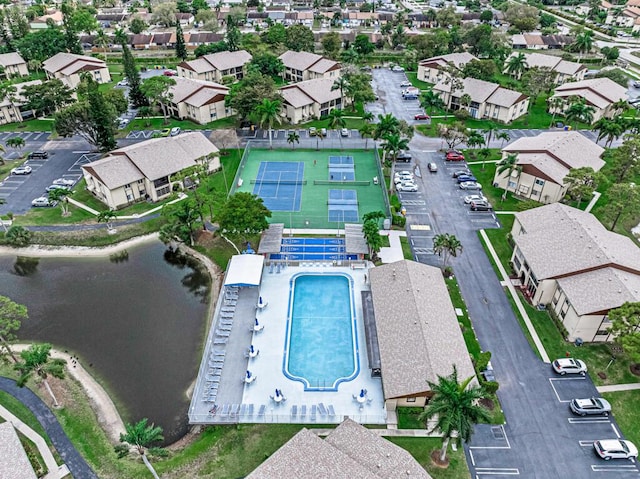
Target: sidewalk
x=618 y=387
x=393 y=252
x=507 y=282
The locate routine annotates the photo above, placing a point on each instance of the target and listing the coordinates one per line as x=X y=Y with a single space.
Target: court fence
x=385 y=193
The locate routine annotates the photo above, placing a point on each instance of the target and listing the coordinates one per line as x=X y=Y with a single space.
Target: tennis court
x=314 y=188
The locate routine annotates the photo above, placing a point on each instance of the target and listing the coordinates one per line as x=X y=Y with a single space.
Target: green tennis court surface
x=314 y=200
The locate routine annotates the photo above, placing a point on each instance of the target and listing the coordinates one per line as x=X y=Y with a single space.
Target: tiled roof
x=418 y=332
x=552 y=62
x=482 y=91
x=562 y=241
x=349 y=451
x=218 y=61
x=505 y=97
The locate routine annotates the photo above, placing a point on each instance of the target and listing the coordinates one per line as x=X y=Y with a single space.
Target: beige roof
x=562 y=241
x=349 y=451
x=569 y=148
x=614 y=287
x=10 y=59
x=505 y=97
x=569 y=68
x=600 y=92
x=482 y=91
x=68 y=63
x=546 y=164
x=318 y=90
x=218 y=61
x=196 y=92
x=418 y=332
x=307 y=61
x=19 y=98
x=151 y=159
x=458 y=59
x=14 y=463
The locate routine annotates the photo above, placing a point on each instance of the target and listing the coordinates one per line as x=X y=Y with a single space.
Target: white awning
x=245 y=270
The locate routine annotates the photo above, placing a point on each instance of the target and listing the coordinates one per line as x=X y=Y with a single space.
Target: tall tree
x=245 y=95
x=47 y=97
x=136 y=96
x=37 y=360
x=453 y=134
x=579 y=111
x=16 y=142
x=107 y=217
x=268 y=114
x=103 y=115
x=624 y=202
x=625 y=160
x=581 y=183
x=181 y=48
x=340 y=83
x=475 y=139
x=366 y=132
x=625 y=325
x=393 y=144
x=141 y=436
x=158 y=90
x=609 y=129
x=337 y=121
x=387 y=124
x=331 y=44
x=446 y=245
x=72 y=42
x=510 y=165
x=299 y=38
x=183 y=218
x=371 y=232
x=11 y=317
x=42 y=44
x=292 y=139
x=516 y=64
x=504 y=136
x=431 y=101
x=60 y=195
x=455 y=405
x=243 y=215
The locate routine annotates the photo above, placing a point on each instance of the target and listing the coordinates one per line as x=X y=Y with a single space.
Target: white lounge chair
x=313 y=412
x=322 y=410
x=332 y=413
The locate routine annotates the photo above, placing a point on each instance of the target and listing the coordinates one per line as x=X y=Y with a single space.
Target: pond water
x=136 y=320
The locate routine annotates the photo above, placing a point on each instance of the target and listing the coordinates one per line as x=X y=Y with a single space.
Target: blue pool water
x=322 y=344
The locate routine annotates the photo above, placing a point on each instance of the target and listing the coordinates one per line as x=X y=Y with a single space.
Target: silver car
x=588 y=406
x=470 y=185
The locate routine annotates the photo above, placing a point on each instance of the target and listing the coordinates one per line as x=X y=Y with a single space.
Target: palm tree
x=489 y=131
x=2 y=150
x=387 y=124
x=367 y=116
x=37 y=359
x=350 y=56
x=16 y=142
x=102 y=40
x=371 y=233
x=60 y=195
x=293 y=138
x=516 y=64
x=579 y=111
x=475 y=139
x=609 y=129
x=456 y=407
x=268 y=113
x=120 y=36
x=394 y=144
x=431 y=101
x=510 y=165
x=484 y=154
x=446 y=245
x=366 y=132
x=504 y=136
x=555 y=104
x=106 y=217
x=145 y=112
x=337 y=121
x=583 y=42
x=465 y=100
x=341 y=84
x=140 y=436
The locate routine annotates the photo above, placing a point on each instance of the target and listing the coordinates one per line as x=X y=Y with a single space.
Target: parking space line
x=586 y=443
x=473 y=460
x=498 y=471
x=613 y=467
x=551 y=380
x=615 y=430
x=586 y=420
x=504 y=434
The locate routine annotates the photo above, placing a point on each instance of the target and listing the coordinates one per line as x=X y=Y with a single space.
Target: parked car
x=405 y=84
x=463 y=178
x=569 y=366
x=42 y=201
x=397 y=69
x=589 y=406
x=323 y=131
x=124 y=82
x=470 y=185
x=344 y=132
x=175 y=131
x=123 y=122
x=403 y=179
x=165 y=132
x=21 y=170
x=461 y=172
x=63 y=182
x=57 y=187
x=615 y=449
x=38 y=155
x=313 y=131
x=404 y=157
x=407 y=187
x=404 y=172
x=170 y=73
x=433 y=168
x=470 y=198
x=480 y=206
x=454 y=155
x=421 y=116
x=636 y=83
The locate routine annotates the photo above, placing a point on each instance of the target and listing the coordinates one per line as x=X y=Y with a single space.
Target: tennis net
x=278 y=182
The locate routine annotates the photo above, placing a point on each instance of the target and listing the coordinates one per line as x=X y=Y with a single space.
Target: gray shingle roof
x=10 y=59
x=318 y=90
x=14 y=463
x=218 y=61
x=599 y=91
x=563 y=241
x=349 y=451
x=70 y=63
x=482 y=91
x=196 y=92
x=458 y=59
x=418 y=331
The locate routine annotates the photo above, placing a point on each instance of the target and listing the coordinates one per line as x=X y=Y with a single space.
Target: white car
x=405 y=84
x=569 y=366
x=63 y=182
x=175 y=131
x=411 y=187
x=21 y=170
x=470 y=185
x=404 y=172
x=124 y=82
x=397 y=68
x=615 y=449
x=469 y=198
x=344 y=132
x=42 y=201
x=402 y=179
x=57 y=187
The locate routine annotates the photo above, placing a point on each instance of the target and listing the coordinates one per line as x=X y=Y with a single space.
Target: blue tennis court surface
x=340 y=160
x=343 y=206
x=279 y=184
x=341 y=168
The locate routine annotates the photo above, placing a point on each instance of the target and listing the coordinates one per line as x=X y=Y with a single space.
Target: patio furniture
x=303 y=411
x=332 y=413
x=234 y=410
x=261 y=410
x=225 y=410
x=321 y=409
x=294 y=411
x=250 y=411
x=314 y=408
x=220 y=341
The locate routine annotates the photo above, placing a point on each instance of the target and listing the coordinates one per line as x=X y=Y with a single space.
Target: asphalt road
x=541 y=439
x=386 y=84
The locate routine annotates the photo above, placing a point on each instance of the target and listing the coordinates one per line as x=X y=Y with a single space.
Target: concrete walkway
x=393 y=252
x=387 y=432
x=594 y=200
x=618 y=387
x=55 y=471
x=514 y=294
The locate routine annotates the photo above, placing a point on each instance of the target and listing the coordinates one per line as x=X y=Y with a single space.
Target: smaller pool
x=321 y=348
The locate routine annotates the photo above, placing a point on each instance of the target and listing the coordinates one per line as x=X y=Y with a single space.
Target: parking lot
x=386 y=84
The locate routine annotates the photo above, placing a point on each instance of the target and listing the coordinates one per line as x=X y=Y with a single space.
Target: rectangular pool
x=321 y=349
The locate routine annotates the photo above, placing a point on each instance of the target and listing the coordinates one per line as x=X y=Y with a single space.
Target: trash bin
x=579 y=342
x=386 y=224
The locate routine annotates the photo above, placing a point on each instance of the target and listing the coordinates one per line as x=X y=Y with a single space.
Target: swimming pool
x=321 y=348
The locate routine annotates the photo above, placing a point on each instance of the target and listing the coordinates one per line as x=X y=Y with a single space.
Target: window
x=128 y=185
x=556 y=297
x=411 y=399
x=512 y=184
x=140 y=181
x=539 y=182
x=517 y=263
x=602 y=332
x=163 y=191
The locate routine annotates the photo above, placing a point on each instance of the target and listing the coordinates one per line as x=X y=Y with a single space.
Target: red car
x=454 y=155
x=421 y=117
x=169 y=73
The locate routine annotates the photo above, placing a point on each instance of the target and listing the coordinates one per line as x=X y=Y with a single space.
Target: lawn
x=485 y=177
x=421 y=448
x=625 y=406
x=422 y=85
x=158 y=123
x=406 y=248
x=29 y=125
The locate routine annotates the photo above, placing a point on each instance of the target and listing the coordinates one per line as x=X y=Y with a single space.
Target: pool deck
x=239 y=402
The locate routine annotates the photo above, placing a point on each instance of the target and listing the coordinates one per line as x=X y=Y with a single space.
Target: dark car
x=480 y=206
x=421 y=116
x=582 y=407
x=463 y=178
x=38 y=155
x=403 y=157
x=460 y=173
x=454 y=155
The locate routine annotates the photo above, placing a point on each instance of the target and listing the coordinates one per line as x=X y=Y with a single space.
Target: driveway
x=386 y=84
x=541 y=438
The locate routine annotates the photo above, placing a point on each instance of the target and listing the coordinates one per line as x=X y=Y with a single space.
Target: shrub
x=18 y=236
x=398 y=220
x=482 y=360
x=490 y=387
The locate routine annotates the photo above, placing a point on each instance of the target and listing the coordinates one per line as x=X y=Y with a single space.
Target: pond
x=136 y=320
